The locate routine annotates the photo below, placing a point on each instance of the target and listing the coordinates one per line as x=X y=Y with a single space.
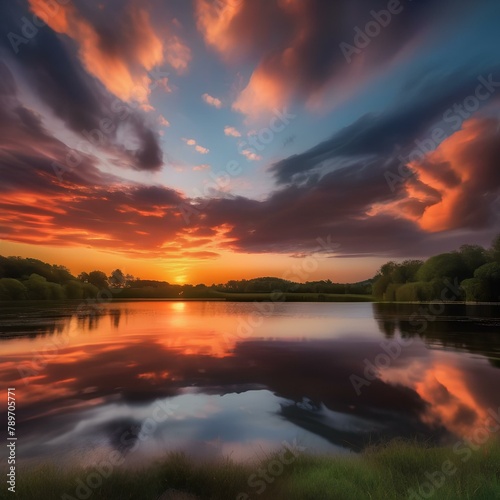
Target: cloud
x=82 y=206
x=147 y=107
x=48 y=68
x=251 y=155
x=119 y=54
x=122 y=53
x=455 y=195
x=203 y=166
x=417 y=110
x=336 y=189
x=197 y=147
x=212 y=101
x=177 y=54
x=292 y=218
x=202 y=255
x=231 y=132
x=54 y=195
x=163 y=121
x=457 y=186
x=164 y=84
x=352 y=205
x=295 y=44
x=201 y=149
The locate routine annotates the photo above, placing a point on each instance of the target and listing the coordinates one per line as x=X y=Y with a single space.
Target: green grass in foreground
x=386 y=472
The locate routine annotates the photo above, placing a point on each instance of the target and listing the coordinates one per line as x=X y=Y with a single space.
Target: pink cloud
x=212 y=101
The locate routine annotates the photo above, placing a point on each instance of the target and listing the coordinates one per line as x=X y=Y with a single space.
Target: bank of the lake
x=396 y=471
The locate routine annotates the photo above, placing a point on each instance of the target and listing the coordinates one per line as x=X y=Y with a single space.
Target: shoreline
x=398 y=469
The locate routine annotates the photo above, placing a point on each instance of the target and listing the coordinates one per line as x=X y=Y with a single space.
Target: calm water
x=216 y=378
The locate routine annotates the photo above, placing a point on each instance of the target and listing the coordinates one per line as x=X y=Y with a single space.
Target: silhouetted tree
x=117 y=279
x=98 y=279
x=84 y=277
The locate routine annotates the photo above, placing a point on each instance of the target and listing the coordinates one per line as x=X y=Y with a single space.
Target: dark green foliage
x=485 y=286
x=476 y=269
x=473 y=256
x=406 y=272
x=392 y=276
x=390 y=293
x=73 y=289
x=446 y=265
x=37 y=287
x=380 y=286
x=98 y=279
x=90 y=291
x=32 y=279
x=12 y=289
x=19 y=269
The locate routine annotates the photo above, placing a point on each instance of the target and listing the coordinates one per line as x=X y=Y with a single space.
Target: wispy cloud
x=212 y=101
x=231 y=132
x=251 y=155
x=201 y=149
x=203 y=166
x=191 y=142
x=163 y=121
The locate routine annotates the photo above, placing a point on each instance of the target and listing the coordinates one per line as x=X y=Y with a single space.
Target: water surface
x=237 y=379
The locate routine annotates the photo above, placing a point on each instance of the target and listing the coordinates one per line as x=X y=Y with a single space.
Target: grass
x=385 y=472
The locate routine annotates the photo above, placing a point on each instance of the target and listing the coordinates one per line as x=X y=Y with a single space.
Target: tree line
x=32 y=279
x=473 y=271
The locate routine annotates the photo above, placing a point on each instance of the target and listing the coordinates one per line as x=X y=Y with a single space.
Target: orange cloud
x=214 y=20
x=455 y=185
x=446 y=389
x=121 y=64
x=177 y=54
x=295 y=46
x=452 y=153
x=263 y=93
x=451 y=401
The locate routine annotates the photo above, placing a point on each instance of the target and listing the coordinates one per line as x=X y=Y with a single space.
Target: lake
x=239 y=379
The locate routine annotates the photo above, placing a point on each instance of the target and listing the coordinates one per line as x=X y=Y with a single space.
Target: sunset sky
x=206 y=140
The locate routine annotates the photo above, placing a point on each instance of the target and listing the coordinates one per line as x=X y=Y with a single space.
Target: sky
x=207 y=140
